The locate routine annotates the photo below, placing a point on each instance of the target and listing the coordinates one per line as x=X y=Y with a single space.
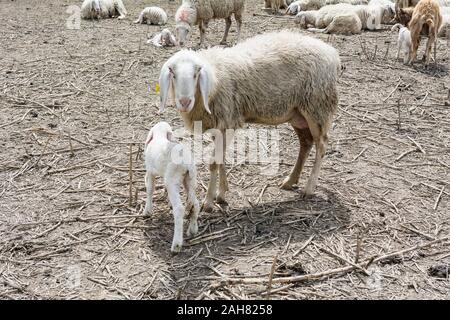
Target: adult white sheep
x=166 y=158
x=199 y=12
x=306 y=5
x=269 y=79
x=95 y=9
x=343 y=18
x=152 y=15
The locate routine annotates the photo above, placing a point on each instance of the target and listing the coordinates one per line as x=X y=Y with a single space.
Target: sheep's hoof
x=221 y=200
x=176 y=248
x=207 y=207
x=192 y=229
x=147 y=211
x=287 y=185
x=308 y=194
x=223 y=43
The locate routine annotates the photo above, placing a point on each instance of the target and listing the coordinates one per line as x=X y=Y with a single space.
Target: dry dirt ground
x=73 y=101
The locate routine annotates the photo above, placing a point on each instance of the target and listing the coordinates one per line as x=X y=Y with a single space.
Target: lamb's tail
x=431 y=25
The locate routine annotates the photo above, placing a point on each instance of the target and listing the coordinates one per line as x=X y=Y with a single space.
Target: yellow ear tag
x=157 y=88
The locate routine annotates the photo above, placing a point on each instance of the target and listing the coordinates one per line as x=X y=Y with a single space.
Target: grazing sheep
x=95 y=9
x=343 y=18
x=166 y=158
x=389 y=12
x=306 y=5
x=269 y=79
x=403 y=41
x=201 y=11
x=426 y=17
x=165 y=38
x=152 y=15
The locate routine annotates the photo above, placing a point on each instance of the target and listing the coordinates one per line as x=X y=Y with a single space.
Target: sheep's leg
x=428 y=49
x=202 y=25
x=227 y=29
x=173 y=192
x=150 y=186
x=208 y=204
x=193 y=205
x=306 y=142
x=319 y=134
x=238 y=18
x=398 y=51
x=223 y=182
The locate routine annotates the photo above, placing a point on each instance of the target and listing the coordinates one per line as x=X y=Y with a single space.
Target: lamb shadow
x=246 y=233
x=436 y=70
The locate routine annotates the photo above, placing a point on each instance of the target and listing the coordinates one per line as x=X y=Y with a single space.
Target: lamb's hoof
x=192 y=229
x=223 y=43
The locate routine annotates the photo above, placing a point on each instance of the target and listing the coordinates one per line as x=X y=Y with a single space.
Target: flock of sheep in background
x=226 y=87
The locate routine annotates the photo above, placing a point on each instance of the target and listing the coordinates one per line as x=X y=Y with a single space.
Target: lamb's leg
x=398 y=51
x=319 y=134
x=121 y=10
x=227 y=29
x=173 y=192
x=150 y=186
x=306 y=142
x=193 y=205
x=429 y=47
x=208 y=203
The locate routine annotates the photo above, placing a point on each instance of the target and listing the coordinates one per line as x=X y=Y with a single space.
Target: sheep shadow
x=246 y=234
x=436 y=70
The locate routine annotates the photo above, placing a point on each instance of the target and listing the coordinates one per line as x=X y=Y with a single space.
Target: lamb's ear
x=165 y=78
x=170 y=136
x=204 y=83
x=149 y=139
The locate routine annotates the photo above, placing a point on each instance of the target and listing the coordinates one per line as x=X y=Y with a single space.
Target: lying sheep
x=166 y=158
x=307 y=5
x=165 y=38
x=199 y=12
x=403 y=42
x=272 y=78
x=96 y=9
x=152 y=15
x=344 y=18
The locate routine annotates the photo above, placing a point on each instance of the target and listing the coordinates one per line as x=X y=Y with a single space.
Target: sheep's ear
x=164 y=84
x=204 y=83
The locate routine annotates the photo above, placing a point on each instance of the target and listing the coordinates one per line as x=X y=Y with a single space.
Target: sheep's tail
x=431 y=25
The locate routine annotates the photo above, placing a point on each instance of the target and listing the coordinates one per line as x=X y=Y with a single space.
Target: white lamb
x=95 y=9
x=166 y=158
x=165 y=38
x=403 y=42
x=274 y=78
x=200 y=12
x=152 y=15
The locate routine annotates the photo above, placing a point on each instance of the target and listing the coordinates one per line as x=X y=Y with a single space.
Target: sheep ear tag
x=157 y=88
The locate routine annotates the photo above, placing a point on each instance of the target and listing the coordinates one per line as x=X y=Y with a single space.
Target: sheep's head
x=300 y=19
x=388 y=13
x=96 y=8
x=182 y=31
x=404 y=15
x=187 y=74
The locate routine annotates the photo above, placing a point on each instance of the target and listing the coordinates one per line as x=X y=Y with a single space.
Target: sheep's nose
x=185 y=102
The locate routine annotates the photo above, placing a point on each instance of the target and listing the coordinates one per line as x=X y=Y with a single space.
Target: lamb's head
x=187 y=74
x=167 y=38
x=161 y=130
